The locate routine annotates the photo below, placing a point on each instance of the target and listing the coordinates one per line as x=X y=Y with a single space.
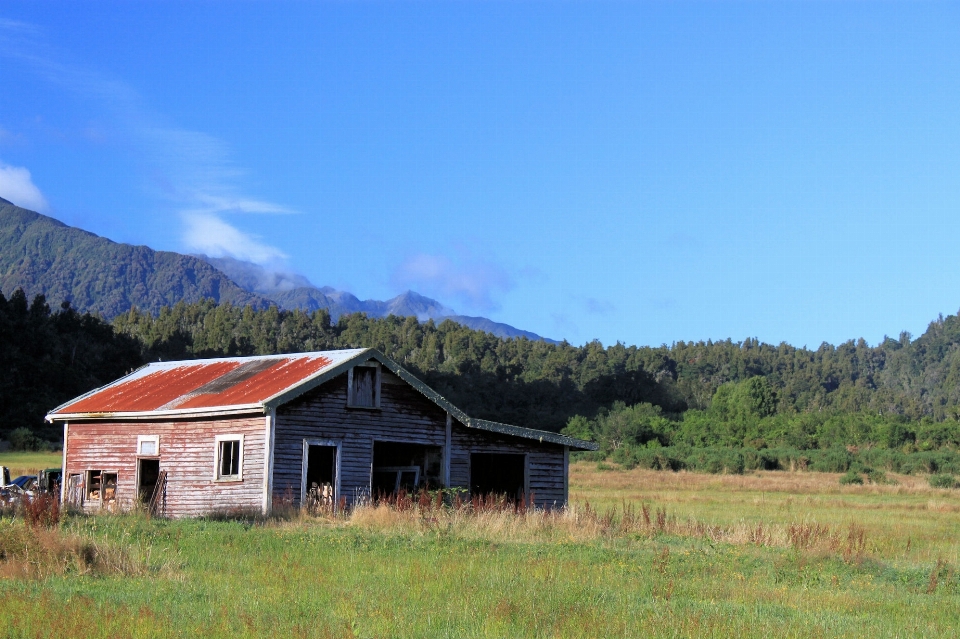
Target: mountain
x=291 y=291
x=45 y=256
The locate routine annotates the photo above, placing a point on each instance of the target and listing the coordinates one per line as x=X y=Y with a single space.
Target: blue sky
x=641 y=172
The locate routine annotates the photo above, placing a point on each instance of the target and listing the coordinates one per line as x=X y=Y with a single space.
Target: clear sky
x=641 y=172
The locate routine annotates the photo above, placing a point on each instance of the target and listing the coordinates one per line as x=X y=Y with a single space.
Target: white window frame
x=376 y=386
x=217 y=477
x=148 y=438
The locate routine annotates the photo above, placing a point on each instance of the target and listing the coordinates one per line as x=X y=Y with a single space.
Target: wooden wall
x=404 y=415
x=187 y=449
x=545 y=467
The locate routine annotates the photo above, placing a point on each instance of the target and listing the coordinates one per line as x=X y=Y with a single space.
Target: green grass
x=28 y=463
x=384 y=574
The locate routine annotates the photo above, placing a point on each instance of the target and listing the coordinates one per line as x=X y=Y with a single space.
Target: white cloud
x=192 y=171
x=17 y=187
x=207 y=233
x=473 y=281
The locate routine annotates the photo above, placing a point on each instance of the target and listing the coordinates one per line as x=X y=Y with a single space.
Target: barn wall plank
x=407 y=416
x=187 y=450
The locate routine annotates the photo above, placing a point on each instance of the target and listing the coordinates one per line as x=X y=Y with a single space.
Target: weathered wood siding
x=545 y=469
x=187 y=452
x=404 y=416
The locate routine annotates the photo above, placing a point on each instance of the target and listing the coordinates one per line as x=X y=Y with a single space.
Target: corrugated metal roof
x=253 y=383
x=216 y=384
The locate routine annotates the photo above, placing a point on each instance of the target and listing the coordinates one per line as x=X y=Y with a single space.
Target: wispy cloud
x=473 y=281
x=194 y=172
x=210 y=235
x=596 y=306
x=17 y=186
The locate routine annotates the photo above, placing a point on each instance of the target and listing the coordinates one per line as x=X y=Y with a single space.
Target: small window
x=148 y=445
x=229 y=458
x=363 y=386
x=101 y=489
x=94 y=482
x=108 y=496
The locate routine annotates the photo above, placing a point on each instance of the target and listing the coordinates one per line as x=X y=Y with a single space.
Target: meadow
x=639 y=553
x=29 y=462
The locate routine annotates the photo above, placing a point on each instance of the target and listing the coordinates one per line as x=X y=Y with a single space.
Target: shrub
x=41 y=511
x=832 y=460
x=878 y=477
x=942 y=481
x=852 y=477
x=24 y=439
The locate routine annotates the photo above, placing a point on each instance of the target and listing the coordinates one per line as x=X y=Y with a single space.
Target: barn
x=204 y=436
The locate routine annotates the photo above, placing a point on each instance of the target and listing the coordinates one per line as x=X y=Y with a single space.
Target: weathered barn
x=202 y=436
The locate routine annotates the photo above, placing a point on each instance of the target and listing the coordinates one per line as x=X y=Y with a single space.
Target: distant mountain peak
x=44 y=256
x=308 y=297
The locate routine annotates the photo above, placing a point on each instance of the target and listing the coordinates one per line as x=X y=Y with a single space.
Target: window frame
x=351 y=399
x=99 y=501
x=217 y=447
x=148 y=438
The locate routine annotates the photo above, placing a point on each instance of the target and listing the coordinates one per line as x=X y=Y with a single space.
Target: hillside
x=44 y=256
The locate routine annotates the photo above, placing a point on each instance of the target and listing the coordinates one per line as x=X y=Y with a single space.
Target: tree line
x=901 y=392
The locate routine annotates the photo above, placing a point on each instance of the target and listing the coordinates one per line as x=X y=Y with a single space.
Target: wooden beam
x=268 y=441
x=63 y=470
x=447 y=451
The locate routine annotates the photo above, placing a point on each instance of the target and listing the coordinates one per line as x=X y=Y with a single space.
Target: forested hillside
x=900 y=393
x=43 y=256
x=48 y=357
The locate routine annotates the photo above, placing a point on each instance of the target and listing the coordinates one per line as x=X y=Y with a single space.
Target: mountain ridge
x=292 y=291
x=45 y=256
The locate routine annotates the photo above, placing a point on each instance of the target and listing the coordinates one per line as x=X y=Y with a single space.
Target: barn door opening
x=148 y=471
x=498 y=474
x=320 y=486
x=401 y=466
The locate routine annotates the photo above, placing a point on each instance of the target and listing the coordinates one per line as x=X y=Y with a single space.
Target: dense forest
x=901 y=394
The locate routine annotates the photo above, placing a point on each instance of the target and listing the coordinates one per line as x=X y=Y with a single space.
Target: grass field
x=28 y=463
x=773 y=554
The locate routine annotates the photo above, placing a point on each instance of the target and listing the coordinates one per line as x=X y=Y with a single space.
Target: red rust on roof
x=264 y=385
x=171 y=388
x=152 y=391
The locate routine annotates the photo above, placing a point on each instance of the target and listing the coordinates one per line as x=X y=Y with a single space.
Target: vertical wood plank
x=446 y=451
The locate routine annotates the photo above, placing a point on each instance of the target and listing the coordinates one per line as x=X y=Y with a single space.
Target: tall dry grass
x=33 y=546
x=580 y=523
x=36 y=553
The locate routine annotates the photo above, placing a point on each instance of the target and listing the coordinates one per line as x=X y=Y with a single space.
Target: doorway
x=400 y=466
x=320 y=487
x=498 y=474
x=148 y=471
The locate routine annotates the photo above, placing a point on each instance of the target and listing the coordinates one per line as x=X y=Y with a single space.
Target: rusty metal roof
x=245 y=384
x=203 y=385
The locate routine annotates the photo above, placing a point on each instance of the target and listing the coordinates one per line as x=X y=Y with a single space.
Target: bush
x=878 y=477
x=942 y=481
x=852 y=477
x=24 y=439
x=832 y=460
